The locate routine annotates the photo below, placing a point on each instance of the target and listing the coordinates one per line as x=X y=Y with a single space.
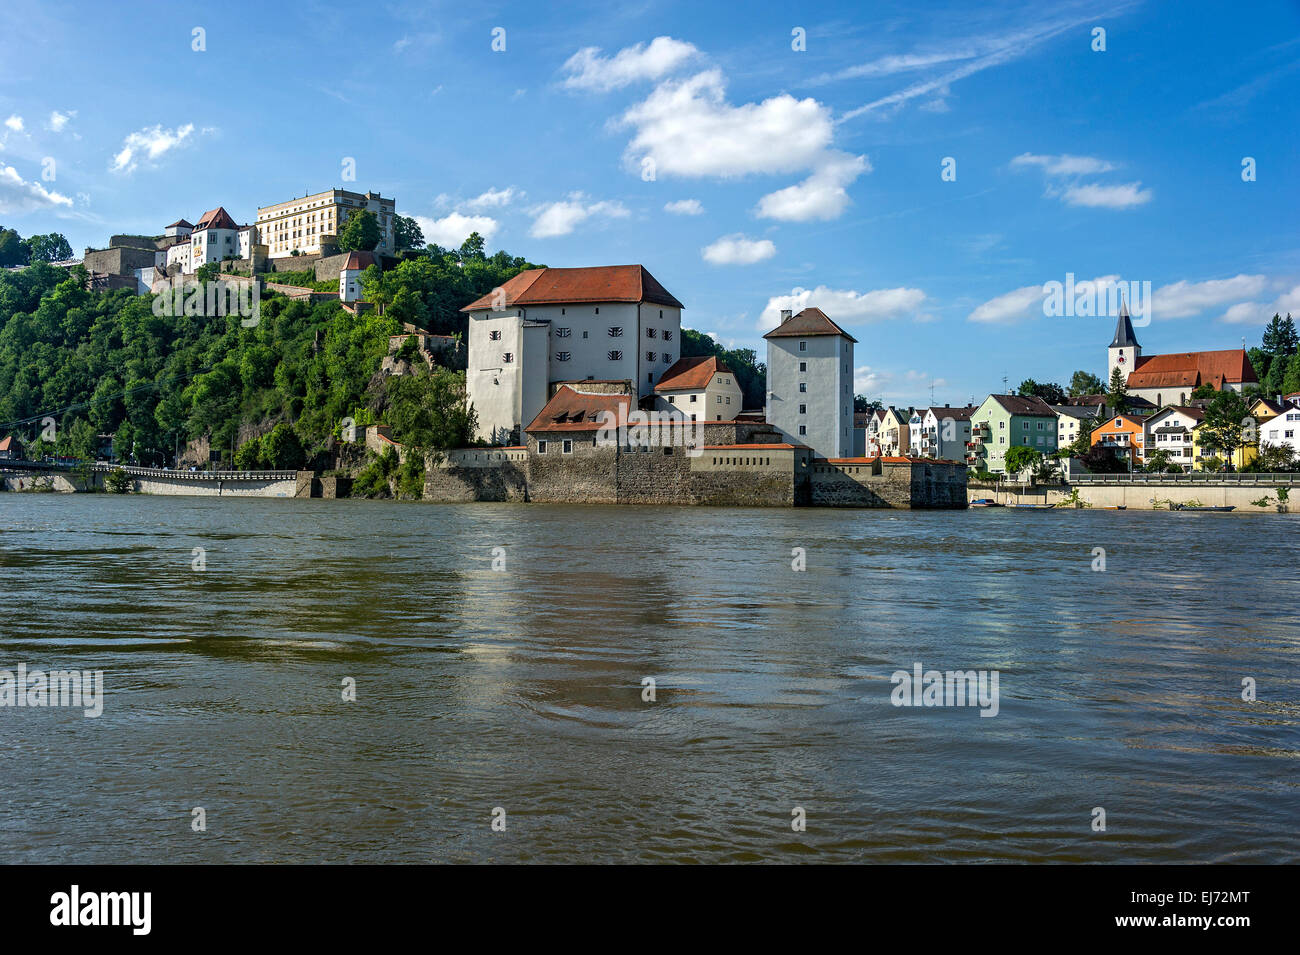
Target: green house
x=1004 y=421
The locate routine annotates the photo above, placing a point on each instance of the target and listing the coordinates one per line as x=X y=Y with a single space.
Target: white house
x=1171 y=430
x=215 y=237
x=604 y=323
x=1072 y=421
x=810 y=382
x=939 y=432
x=350 y=289
x=700 y=388
x=1282 y=429
x=180 y=229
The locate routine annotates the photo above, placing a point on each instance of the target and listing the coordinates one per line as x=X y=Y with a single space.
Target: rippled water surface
x=522 y=689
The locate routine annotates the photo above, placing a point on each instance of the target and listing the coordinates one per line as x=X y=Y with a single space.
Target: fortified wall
x=756 y=471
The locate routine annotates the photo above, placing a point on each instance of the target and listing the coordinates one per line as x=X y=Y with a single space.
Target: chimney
x=786 y=315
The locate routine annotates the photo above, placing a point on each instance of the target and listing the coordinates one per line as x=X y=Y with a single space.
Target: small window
x=567 y=446
x=562 y=332
x=494 y=336
x=649 y=356
x=508 y=357
x=694 y=398
x=803 y=346
x=615 y=355
x=651 y=333
x=803 y=409
x=803 y=387
x=668 y=334
x=803 y=429
x=672 y=399
x=803 y=366
x=719 y=401
x=562 y=356
x=615 y=331
x=541 y=447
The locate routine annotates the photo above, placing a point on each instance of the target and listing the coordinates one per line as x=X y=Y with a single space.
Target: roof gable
x=571 y=410
x=692 y=374
x=217 y=218
x=602 y=283
x=807 y=324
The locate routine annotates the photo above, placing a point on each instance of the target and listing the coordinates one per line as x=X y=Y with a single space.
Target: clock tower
x=1124 y=350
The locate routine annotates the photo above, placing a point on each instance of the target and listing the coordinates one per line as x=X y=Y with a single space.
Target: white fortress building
x=305 y=225
x=810 y=382
x=611 y=323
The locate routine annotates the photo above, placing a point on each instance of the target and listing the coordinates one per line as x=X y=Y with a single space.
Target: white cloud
x=58 y=121
x=18 y=196
x=1091 y=195
x=844 y=306
x=1254 y=313
x=561 y=218
x=495 y=198
x=148 y=145
x=868 y=381
x=1011 y=307
x=1065 y=164
x=454 y=228
x=589 y=70
x=1181 y=299
x=689 y=129
x=823 y=195
x=15 y=122
x=738 y=250
x=1097 y=196
x=684 y=207
x=979 y=53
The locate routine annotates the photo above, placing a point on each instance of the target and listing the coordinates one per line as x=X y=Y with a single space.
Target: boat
x=1205 y=507
x=984 y=502
x=1034 y=507
x=1114 y=507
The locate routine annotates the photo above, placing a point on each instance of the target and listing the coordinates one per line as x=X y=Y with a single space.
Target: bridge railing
x=1245 y=478
x=197 y=475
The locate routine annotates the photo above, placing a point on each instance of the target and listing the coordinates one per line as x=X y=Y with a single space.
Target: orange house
x=1125 y=434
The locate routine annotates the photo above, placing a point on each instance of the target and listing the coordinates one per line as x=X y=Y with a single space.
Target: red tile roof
x=692 y=374
x=570 y=410
x=811 y=321
x=359 y=260
x=217 y=218
x=602 y=283
x=1193 y=368
x=181 y=223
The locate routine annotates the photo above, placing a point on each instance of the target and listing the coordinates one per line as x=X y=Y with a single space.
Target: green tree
x=361 y=232
x=1117 y=393
x=1052 y=393
x=1227 y=425
x=1021 y=458
x=473 y=248
x=1084 y=383
x=407 y=233
x=13 y=250
x=1280 y=337
x=48 y=248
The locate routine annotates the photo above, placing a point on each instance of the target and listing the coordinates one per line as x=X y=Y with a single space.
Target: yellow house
x=1262 y=409
x=1241 y=458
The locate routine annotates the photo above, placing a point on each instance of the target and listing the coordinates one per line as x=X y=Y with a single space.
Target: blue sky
x=777 y=177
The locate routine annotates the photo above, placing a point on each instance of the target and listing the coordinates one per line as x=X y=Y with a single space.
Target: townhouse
x=699 y=388
x=1171 y=430
x=1125 y=434
x=942 y=433
x=1002 y=422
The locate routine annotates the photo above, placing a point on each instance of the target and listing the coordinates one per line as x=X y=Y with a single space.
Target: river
x=514 y=692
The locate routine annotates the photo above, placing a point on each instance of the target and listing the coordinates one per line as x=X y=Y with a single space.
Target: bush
x=117 y=482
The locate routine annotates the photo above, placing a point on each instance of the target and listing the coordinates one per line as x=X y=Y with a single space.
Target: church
x=1170 y=379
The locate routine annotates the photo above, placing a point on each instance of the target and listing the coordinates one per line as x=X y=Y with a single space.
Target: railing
x=1194 y=477
x=198 y=475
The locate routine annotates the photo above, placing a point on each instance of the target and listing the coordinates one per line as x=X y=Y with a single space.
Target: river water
x=519 y=688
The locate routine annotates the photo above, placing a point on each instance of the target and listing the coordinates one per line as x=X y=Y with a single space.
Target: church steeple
x=1124 y=337
x=1124 y=351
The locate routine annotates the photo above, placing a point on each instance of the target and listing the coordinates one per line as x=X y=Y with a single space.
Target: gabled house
x=1002 y=422
x=701 y=388
x=810 y=382
x=1171 y=430
x=940 y=432
x=1125 y=434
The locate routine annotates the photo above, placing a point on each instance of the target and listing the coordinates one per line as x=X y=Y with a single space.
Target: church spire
x=1124 y=337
